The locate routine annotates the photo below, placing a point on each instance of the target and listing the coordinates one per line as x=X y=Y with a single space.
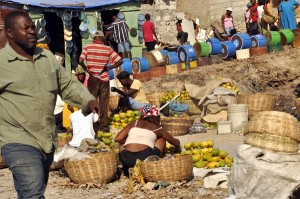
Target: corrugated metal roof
x=67 y=4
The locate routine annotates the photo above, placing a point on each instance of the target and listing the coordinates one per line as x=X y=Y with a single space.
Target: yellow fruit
x=204 y=150
x=215 y=152
x=203 y=144
x=124 y=125
x=222 y=163
x=100 y=134
x=209 y=149
x=200 y=164
x=187 y=146
x=130 y=119
x=219 y=77
x=214 y=159
x=212 y=165
x=106 y=135
x=210 y=143
x=107 y=141
x=175 y=115
x=116 y=115
x=137 y=117
x=197 y=157
x=122 y=115
x=228 y=160
x=195 y=144
x=125 y=120
x=223 y=154
x=195 y=151
x=206 y=125
x=207 y=156
x=136 y=112
x=116 y=150
x=188 y=153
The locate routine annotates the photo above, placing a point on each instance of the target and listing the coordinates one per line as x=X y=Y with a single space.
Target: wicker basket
x=272 y=142
x=178 y=169
x=177 y=126
x=275 y=123
x=100 y=169
x=113 y=102
x=297 y=104
x=257 y=102
x=154 y=98
x=193 y=108
x=2 y=165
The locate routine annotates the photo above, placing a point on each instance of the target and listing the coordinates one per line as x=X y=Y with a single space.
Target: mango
x=223 y=154
x=215 y=152
x=200 y=164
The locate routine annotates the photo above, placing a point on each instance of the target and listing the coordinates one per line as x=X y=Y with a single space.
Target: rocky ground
x=276 y=73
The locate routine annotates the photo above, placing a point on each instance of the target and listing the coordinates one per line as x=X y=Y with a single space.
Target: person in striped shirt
x=97 y=57
x=120 y=34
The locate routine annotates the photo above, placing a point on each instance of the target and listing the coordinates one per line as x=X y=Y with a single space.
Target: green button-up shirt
x=28 y=94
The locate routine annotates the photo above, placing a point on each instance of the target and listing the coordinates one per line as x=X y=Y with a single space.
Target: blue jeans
x=30 y=168
x=124 y=47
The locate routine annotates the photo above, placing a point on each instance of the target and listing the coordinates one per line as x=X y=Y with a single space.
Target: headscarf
x=147 y=111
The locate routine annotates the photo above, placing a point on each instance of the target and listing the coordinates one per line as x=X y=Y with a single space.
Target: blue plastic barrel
x=215 y=46
x=258 y=41
x=164 y=53
x=186 y=53
x=241 y=41
x=171 y=58
x=126 y=66
x=111 y=74
x=228 y=49
x=139 y=65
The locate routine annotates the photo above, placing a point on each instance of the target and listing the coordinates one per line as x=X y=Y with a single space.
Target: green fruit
x=106 y=141
x=214 y=159
x=215 y=152
x=222 y=163
x=197 y=157
x=207 y=156
x=107 y=135
x=200 y=164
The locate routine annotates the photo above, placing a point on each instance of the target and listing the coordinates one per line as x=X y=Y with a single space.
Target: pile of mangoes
x=184 y=95
x=230 y=86
x=121 y=120
x=107 y=141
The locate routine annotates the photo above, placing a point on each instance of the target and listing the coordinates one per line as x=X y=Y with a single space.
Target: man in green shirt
x=30 y=80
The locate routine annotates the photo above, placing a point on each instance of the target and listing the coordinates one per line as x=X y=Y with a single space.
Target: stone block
x=157 y=18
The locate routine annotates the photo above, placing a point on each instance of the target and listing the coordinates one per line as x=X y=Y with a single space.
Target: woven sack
x=100 y=169
x=274 y=123
x=297 y=104
x=154 y=98
x=268 y=19
x=178 y=169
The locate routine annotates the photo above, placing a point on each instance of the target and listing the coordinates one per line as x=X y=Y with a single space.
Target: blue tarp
x=67 y=4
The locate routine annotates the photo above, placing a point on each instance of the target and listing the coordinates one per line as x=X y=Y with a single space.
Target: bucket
x=237 y=115
x=228 y=49
x=241 y=41
x=258 y=41
x=172 y=58
x=274 y=47
x=273 y=37
x=243 y=54
x=155 y=58
x=202 y=49
x=258 y=51
x=164 y=53
x=157 y=72
x=126 y=66
x=296 y=43
x=186 y=53
x=215 y=46
x=287 y=36
x=143 y=76
x=139 y=65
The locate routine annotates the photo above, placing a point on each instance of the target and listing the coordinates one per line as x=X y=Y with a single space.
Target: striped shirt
x=120 y=31
x=97 y=56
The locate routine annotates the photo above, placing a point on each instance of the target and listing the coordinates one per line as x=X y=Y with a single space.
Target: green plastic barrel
x=273 y=37
x=287 y=36
x=202 y=49
x=274 y=47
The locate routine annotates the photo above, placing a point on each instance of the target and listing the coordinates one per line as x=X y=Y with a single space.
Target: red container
x=143 y=77
x=157 y=72
x=258 y=51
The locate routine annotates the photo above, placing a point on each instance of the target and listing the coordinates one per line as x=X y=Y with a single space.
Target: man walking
x=98 y=56
x=31 y=79
x=120 y=34
x=148 y=32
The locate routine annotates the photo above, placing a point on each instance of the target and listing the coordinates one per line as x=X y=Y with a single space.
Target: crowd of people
x=260 y=18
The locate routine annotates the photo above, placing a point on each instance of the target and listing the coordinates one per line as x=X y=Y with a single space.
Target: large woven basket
x=177 y=126
x=154 y=98
x=193 y=108
x=257 y=102
x=62 y=141
x=178 y=169
x=272 y=142
x=113 y=102
x=275 y=123
x=100 y=169
x=2 y=165
x=297 y=104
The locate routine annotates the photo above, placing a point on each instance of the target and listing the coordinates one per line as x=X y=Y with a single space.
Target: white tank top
x=138 y=135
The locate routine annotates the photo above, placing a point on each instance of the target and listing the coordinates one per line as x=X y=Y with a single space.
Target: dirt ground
x=276 y=73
